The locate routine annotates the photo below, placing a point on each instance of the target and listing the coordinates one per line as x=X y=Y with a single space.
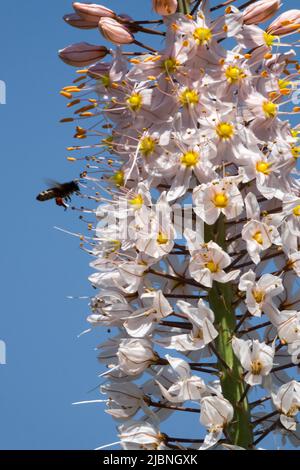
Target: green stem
x=184 y=6
x=233 y=387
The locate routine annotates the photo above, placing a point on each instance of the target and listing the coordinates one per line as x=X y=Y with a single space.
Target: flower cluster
x=207 y=313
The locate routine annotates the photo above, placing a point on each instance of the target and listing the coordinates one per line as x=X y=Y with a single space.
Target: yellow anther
x=258 y=295
x=263 y=167
x=66 y=94
x=190 y=158
x=118 y=178
x=220 y=200
x=270 y=109
x=234 y=74
x=296 y=211
x=147 y=146
x=137 y=201
x=225 y=130
x=256 y=367
x=189 y=96
x=170 y=65
x=212 y=266
x=135 y=102
x=258 y=237
x=202 y=36
x=269 y=39
x=162 y=238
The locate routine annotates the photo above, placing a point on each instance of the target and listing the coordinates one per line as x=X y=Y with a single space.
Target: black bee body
x=59 y=192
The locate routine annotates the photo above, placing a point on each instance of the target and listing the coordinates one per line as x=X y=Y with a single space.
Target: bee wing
x=52 y=183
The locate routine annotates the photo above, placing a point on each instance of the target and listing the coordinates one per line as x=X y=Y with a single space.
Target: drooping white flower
x=260 y=292
x=256 y=359
x=188 y=386
x=141 y=322
x=258 y=234
x=135 y=355
x=138 y=435
x=216 y=413
x=287 y=401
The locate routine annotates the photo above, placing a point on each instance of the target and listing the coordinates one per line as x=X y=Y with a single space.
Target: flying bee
x=61 y=192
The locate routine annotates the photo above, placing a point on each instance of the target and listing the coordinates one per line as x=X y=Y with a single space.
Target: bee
x=61 y=192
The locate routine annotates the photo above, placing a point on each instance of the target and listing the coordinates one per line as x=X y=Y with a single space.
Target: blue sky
x=48 y=367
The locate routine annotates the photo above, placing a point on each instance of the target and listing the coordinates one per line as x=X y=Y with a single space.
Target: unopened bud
x=115 y=32
x=165 y=7
x=92 y=11
x=260 y=11
x=82 y=53
x=287 y=23
x=77 y=22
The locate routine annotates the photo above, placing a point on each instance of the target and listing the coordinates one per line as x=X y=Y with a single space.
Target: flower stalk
x=233 y=388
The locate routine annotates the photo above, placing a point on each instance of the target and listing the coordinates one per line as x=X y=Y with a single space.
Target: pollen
x=256 y=367
x=190 y=158
x=270 y=109
x=269 y=39
x=263 y=167
x=137 y=201
x=170 y=65
x=295 y=151
x=118 y=178
x=147 y=146
x=105 y=80
x=220 y=200
x=189 y=97
x=212 y=266
x=296 y=211
x=225 y=130
x=135 y=102
x=202 y=36
x=162 y=238
x=258 y=237
x=234 y=74
x=258 y=295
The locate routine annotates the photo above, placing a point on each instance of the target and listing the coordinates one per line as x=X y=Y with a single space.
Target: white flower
x=259 y=235
x=153 y=230
x=208 y=262
x=138 y=435
x=125 y=399
x=288 y=328
x=287 y=401
x=219 y=196
x=141 y=322
x=188 y=386
x=261 y=292
x=216 y=413
x=135 y=355
x=256 y=359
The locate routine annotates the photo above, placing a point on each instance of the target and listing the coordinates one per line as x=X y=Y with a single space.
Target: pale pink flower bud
x=92 y=11
x=78 y=22
x=260 y=11
x=287 y=23
x=115 y=32
x=164 y=7
x=82 y=54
